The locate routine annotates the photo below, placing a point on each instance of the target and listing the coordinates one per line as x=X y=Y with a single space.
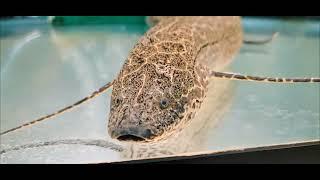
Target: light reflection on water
x=45 y=69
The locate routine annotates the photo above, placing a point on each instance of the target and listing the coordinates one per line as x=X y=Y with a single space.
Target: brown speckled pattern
x=171 y=61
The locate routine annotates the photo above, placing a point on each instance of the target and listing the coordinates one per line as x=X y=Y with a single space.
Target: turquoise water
x=44 y=68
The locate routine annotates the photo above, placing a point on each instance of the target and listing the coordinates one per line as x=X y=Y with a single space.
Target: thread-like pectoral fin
x=94 y=94
x=235 y=76
x=260 y=42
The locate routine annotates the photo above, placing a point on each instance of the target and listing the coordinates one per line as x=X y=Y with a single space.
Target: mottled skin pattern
x=192 y=136
x=171 y=63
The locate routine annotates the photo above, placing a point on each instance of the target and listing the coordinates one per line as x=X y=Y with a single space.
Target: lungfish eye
x=164 y=103
x=117 y=101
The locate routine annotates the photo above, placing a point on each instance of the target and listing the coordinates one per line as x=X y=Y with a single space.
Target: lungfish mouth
x=132 y=133
x=130 y=138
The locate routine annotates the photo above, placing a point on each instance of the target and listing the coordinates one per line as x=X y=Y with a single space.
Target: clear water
x=45 y=68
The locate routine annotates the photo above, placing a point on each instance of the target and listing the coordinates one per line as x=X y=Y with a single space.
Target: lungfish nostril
x=133 y=133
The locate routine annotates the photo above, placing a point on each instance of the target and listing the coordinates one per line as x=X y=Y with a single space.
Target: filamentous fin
x=235 y=76
x=94 y=94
